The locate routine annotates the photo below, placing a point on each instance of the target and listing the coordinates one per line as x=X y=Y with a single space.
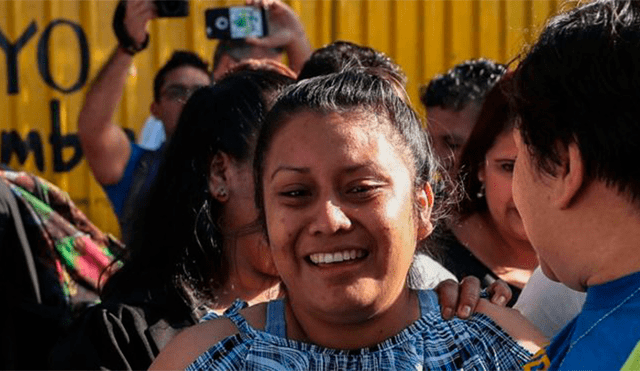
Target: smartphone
x=237 y=22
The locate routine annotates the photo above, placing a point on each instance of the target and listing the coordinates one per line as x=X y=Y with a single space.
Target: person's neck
x=609 y=235
x=244 y=281
x=340 y=334
x=511 y=259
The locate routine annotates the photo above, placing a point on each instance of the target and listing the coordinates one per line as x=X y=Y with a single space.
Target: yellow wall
x=53 y=48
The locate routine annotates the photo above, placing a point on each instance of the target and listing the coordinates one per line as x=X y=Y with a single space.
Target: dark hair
x=352 y=91
x=467 y=82
x=344 y=54
x=179 y=59
x=238 y=49
x=580 y=83
x=177 y=244
x=495 y=118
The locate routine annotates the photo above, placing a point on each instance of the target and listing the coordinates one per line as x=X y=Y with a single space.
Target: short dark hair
x=467 y=82
x=580 y=83
x=351 y=91
x=180 y=58
x=495 y=118
x=345 y=54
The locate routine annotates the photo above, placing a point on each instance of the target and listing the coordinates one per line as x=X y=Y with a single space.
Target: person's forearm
x=105 y=144
x=104 y=94
x=298 y=51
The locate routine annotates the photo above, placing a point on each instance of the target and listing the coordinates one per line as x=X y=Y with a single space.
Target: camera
x=172 y=8
x=236 y=22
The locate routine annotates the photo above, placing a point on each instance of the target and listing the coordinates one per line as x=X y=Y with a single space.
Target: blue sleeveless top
x=430 y=343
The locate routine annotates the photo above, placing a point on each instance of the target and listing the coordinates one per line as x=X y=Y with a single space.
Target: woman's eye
x=363 y=190
x=295 y=193
x=507 y=166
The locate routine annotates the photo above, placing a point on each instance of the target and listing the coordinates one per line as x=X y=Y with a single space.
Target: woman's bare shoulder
x=515 y=324
x=196 y=340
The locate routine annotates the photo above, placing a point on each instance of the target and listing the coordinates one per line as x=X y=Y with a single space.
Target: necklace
x=596 y=324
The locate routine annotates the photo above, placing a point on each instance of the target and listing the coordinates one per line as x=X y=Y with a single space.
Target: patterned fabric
x=430 y=343
x=70 y=244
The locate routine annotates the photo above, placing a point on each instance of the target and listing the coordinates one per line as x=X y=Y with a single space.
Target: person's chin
x=547 y=270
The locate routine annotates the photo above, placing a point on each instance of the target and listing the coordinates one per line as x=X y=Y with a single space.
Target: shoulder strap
x=428 y=302
x=275 y=324
x=238 y=320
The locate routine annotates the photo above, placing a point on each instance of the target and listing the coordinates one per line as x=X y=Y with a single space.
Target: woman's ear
x=482 y=172
x=218 y=176
x=425 y=206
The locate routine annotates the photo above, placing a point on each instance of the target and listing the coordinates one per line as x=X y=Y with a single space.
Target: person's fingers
x=469 y=296
x=500 y=293
x=447 y=297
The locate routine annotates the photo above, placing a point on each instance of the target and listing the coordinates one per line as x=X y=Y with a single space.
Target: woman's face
x=339 y=206
x=497 y=176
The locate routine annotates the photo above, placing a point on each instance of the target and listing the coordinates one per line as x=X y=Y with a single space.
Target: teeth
x=337 y=257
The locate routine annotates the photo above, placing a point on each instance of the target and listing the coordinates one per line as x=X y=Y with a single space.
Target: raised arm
x=104 y=143
x=285 y=31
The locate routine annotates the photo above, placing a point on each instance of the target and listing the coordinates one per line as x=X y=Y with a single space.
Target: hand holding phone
x=238 y=22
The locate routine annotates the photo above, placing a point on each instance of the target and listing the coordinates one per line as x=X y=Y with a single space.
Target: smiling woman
x=342 y=174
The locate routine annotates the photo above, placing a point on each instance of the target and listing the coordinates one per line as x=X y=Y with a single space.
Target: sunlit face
x=450 y=130
x=178 y=85
x=497 y=176
x=339 y=206
x=529 y=194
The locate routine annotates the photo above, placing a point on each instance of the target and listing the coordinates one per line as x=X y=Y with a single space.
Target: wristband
x=124 y=39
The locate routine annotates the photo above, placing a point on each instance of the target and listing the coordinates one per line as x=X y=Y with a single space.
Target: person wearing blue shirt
x=122 y=167
x=575 y=186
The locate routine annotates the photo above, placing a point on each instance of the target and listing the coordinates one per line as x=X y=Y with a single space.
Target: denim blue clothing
x=430 y=343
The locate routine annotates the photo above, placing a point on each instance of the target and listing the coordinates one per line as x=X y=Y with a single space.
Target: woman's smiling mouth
x=337 y=257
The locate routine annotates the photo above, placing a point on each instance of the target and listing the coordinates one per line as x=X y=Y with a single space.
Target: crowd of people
x=305 y=217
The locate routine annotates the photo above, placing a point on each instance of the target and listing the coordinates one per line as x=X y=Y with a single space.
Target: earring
x=222 y=192
x=481 y=192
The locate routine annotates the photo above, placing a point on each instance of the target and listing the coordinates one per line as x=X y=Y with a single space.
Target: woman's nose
x=329 y=218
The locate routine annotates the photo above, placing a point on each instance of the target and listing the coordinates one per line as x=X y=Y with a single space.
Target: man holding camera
x=124 y=169
x=286 y=35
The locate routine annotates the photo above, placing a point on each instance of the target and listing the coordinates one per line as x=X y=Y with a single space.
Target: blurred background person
x=286 y=39
x=485 y=237
x=124 y=169
x=196 y=246
x=453 y=102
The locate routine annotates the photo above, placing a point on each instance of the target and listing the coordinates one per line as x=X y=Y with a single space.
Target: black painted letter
x=59 y=142
x=12 y=143
x=11 y=53
x=43 y=56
